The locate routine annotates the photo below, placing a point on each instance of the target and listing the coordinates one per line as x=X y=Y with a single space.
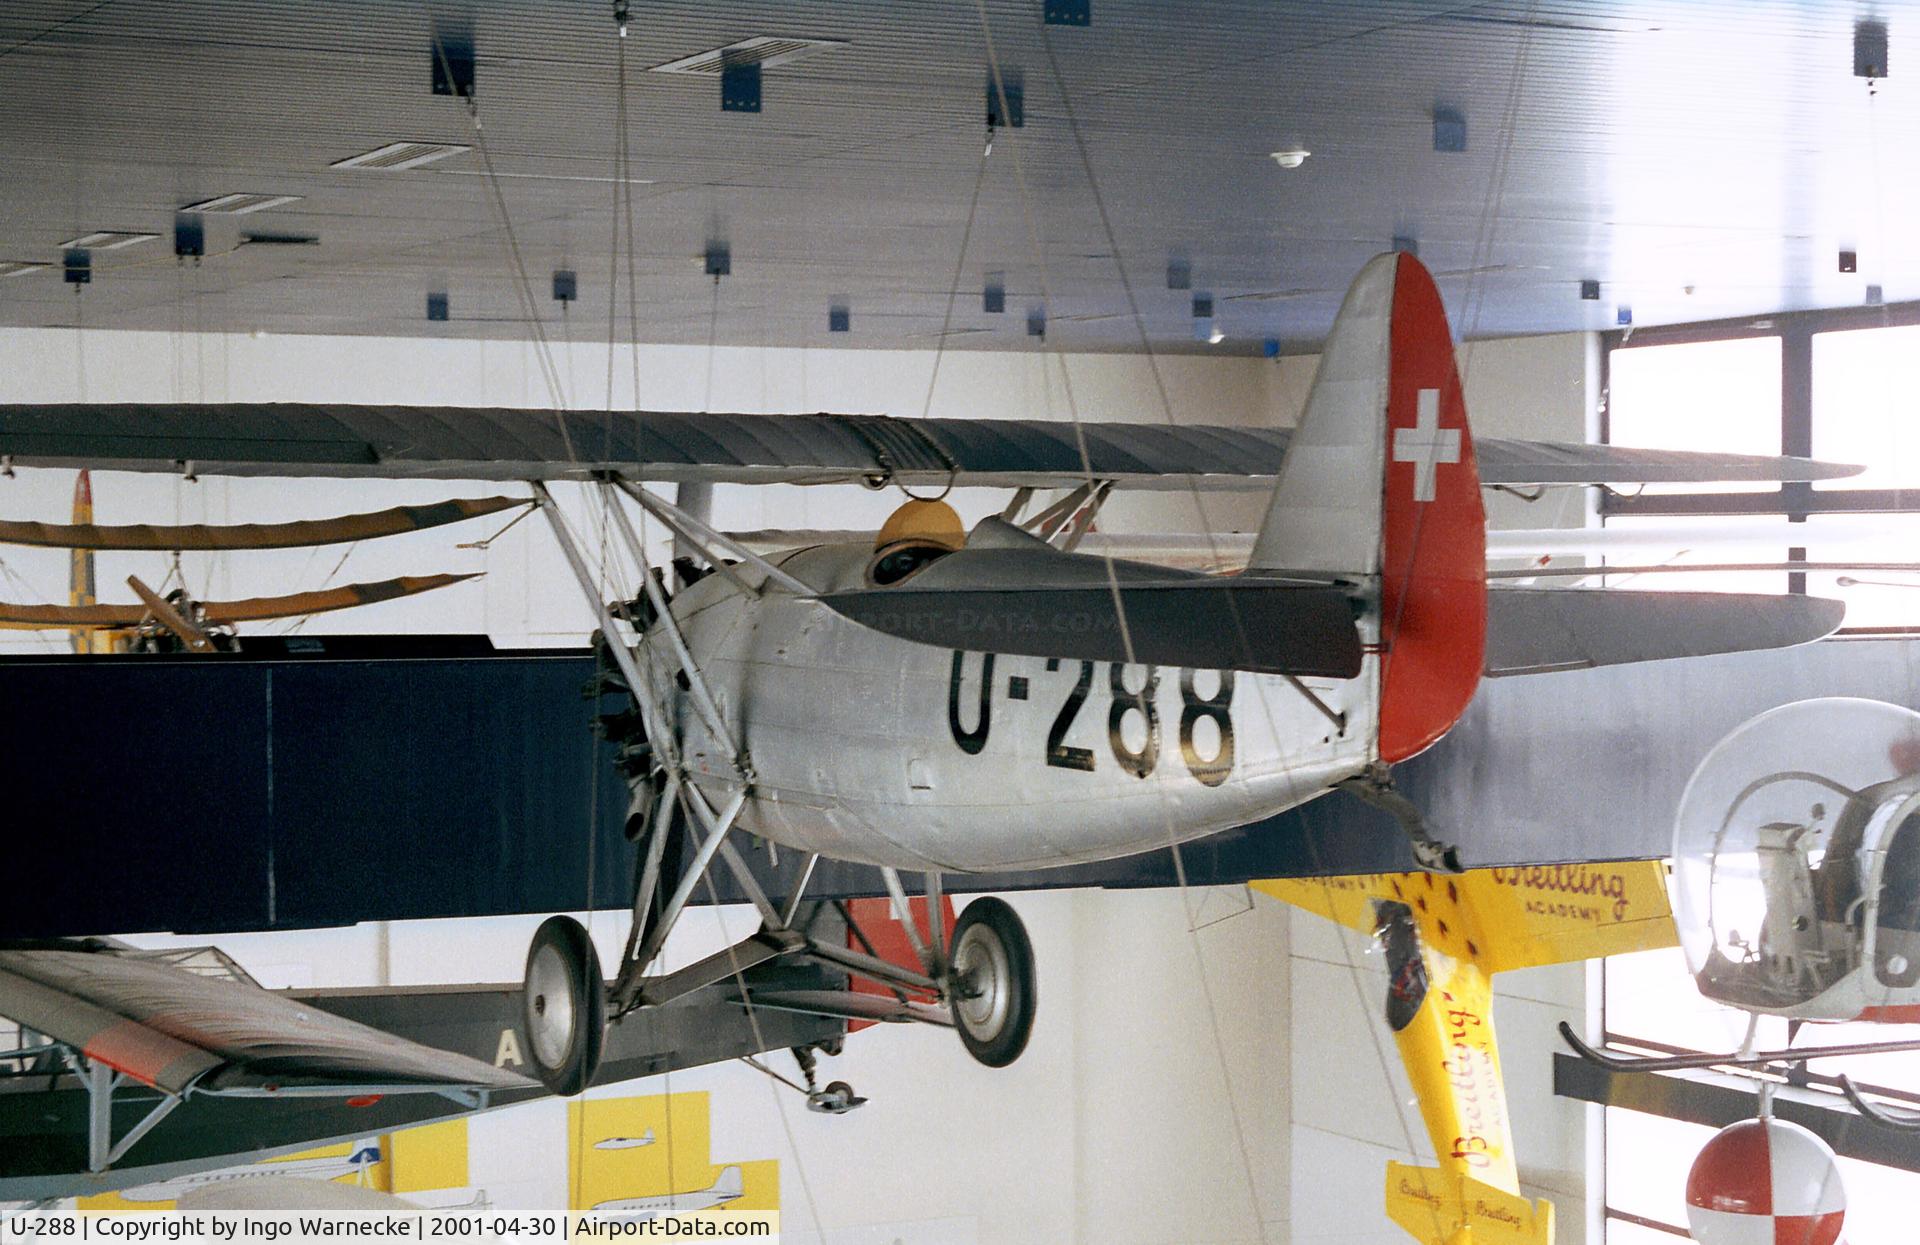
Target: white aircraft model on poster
x=944 y=700
x=359 y=1157
x=728 y=1186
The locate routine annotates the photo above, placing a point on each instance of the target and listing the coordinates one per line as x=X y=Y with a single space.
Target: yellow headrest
x=932 y=521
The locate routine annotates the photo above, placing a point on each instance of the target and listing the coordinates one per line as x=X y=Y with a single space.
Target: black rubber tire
x=996 y=921
x=563 y=968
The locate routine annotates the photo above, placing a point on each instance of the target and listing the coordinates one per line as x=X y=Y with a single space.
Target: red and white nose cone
x=1765 y=1182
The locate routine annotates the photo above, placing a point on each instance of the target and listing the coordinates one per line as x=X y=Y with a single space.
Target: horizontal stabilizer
x=1283 y=627
x=222 y=613
x=174 y=1029
x=1437 y=1209
x=1534 y=630
x=505 y=443
x=214 y=538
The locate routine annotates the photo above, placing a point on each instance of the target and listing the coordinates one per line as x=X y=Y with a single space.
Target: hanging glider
x=224 y=613
x=84 y=534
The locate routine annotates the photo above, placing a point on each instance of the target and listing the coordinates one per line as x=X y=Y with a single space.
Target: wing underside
x=492 y=443
x=1305 y=630
x=178 y=1030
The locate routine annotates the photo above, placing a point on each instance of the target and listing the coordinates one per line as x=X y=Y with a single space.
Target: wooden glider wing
x=222 y=613
x=493 y=443
x=176 y=1030
x=214 y=538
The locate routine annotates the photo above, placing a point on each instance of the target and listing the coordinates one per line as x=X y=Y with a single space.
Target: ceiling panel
x=1699 y=159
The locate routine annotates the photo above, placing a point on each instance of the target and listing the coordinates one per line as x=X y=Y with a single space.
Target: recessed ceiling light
x=1291 y=158
x=14 y=267
x=549 y=177
x=766 y=51
x=401 y=155
x=106 y=240
x=239 y=203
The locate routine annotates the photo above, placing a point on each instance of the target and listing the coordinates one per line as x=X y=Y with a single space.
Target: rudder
x=1380 y=484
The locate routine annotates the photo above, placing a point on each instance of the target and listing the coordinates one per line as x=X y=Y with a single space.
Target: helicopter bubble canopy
x=1790 y=834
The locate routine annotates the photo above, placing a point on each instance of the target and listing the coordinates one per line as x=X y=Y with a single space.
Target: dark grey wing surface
x=175 y=1029
x=1534 y=630
x=495 y=443
x=1038 y=602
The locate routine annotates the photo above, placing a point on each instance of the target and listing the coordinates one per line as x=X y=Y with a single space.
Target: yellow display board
x=652 y=1155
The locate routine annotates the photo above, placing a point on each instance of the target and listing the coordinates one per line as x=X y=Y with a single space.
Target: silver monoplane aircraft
x=943 y=700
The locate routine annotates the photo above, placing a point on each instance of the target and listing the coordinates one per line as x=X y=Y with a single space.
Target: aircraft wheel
x=564 y=1005
x=991 y=983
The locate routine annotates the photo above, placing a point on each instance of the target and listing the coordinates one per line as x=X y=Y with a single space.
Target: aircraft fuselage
x=870 y=748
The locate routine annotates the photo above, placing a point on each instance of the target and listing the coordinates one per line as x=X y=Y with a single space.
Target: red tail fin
x=1433 y=567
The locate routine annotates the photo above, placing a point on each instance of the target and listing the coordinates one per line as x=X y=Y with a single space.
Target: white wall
x=1219 y=1086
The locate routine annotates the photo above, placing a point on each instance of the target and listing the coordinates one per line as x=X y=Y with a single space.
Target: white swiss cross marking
x=1426 y=445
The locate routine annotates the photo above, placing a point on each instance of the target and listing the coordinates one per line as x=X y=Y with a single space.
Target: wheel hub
x=982 y=976
x=552 y=1032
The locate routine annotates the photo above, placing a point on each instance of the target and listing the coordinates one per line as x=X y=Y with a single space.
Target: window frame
x=1795 y=500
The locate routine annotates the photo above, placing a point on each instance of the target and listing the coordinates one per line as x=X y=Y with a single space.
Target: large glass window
x=1820 y=383
x=1866 y=405
x=1711 y=395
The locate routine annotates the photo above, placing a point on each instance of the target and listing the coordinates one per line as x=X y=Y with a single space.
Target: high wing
x=179 y=1031
x=496 y=443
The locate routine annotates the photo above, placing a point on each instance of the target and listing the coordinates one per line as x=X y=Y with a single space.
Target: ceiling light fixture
x=1291 y=158
x=14 y=267
x=239 y=203
x=401 y=155
x=1216 y=337
x=106 y=240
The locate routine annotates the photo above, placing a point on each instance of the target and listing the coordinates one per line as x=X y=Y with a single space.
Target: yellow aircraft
x=1445 y=938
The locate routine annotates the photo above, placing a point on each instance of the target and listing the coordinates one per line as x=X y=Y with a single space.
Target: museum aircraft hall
x=978 y=622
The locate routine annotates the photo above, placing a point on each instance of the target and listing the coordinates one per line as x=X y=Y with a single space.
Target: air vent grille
x=240 y=203
x=401 y=155
x=766 y=51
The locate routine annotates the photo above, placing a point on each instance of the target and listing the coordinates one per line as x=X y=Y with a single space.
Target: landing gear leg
x=1376 y=787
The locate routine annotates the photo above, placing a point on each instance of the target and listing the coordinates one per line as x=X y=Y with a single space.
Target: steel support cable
x=517 y=270
x=1180 y=873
